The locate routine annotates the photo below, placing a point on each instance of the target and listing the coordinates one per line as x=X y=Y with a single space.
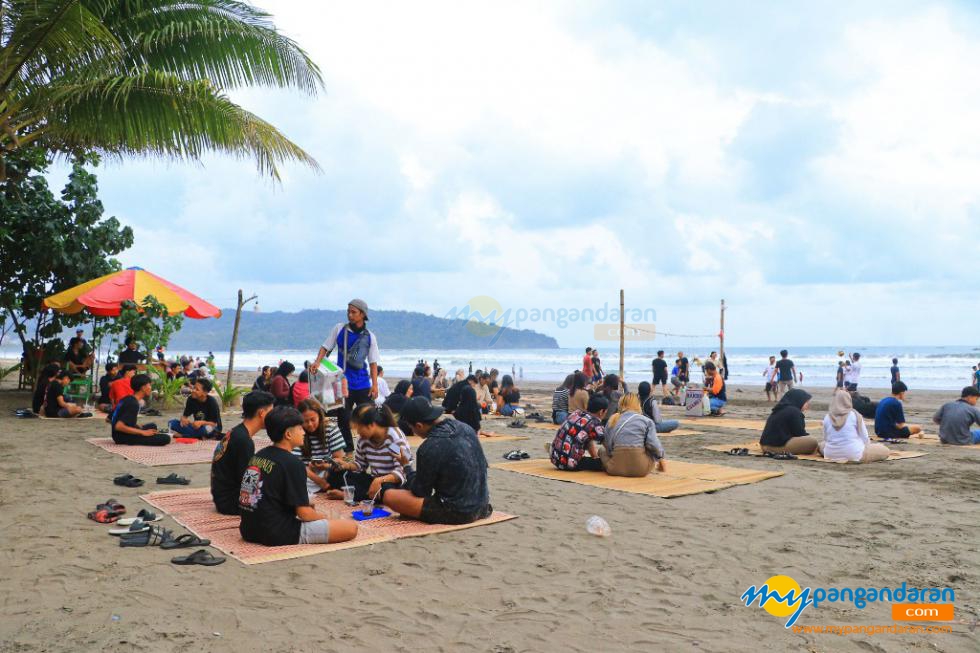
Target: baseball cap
x=360 y=305
x=418 y=409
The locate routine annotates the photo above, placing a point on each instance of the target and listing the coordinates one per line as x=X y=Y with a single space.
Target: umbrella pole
x=97 y=336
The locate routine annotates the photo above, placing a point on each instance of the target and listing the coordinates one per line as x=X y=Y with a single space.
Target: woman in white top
x=846 y=435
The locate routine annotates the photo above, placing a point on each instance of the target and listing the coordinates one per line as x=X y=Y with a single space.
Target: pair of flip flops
x=108 y=512
x=517 y=454
x=128 y=480
x=145 y=535
x=738 y=451
x=25 y=413
x=201 y=557
x=173 y=479
x=782 y=455
x=143 y=515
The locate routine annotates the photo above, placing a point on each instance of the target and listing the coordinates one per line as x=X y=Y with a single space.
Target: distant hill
x=308 y=328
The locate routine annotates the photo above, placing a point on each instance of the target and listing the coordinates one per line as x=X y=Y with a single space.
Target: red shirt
x=587 y=366
x=120 y=388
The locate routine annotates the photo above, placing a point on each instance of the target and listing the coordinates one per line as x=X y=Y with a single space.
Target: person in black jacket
x=467 y=408
x=450 y=484
x=785 y=430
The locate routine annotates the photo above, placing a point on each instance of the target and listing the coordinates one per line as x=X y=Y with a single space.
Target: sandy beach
x=668 y=578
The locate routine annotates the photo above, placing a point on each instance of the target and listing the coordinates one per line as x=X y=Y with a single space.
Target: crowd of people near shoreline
x=601 y=426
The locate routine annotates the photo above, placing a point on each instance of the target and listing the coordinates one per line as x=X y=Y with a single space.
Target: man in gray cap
x=358 y=357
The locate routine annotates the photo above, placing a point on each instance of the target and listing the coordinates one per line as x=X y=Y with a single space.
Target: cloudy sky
x=815 y=164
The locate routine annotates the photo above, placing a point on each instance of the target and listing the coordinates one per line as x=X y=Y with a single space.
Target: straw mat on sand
x=174 y=453
x=756 y=450
x=554 y=429
x=680 y=479
x=194 y=510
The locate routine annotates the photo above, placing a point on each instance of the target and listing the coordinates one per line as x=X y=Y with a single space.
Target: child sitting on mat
x=125 y=429
x=382 y=458
x=273 y=501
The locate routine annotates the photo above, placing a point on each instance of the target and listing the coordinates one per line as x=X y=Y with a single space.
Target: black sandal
x=185 y=541
x=782 y=455
x=738 y=451
x=128 y=480
x=173 y=479
x=153 y=536
x=513 y=455
x=199 y=557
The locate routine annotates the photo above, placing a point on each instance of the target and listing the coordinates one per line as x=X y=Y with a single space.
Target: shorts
x=785 y=385
x=433 y=512
x=903 y=432
x=660 y=378
x=675 y=381
x=770 y=386
x=314 y=532
x=64 y=412
x=850 y=386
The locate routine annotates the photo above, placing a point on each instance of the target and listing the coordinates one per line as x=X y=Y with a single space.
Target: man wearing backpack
x=358 y=357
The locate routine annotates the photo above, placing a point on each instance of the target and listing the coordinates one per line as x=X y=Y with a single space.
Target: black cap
x=419 y=410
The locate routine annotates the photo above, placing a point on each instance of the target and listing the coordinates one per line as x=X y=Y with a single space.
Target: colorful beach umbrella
x=103 y=297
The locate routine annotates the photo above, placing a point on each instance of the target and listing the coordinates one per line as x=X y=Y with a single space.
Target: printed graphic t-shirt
x=228 y=464
x=206 y=411
x=273 y=486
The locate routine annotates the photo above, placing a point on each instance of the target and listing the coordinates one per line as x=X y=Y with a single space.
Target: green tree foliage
x=125 y=77
x=49 y=244
x=149 y=324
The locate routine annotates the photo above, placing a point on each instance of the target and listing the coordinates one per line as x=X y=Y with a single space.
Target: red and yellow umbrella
x=104 y=296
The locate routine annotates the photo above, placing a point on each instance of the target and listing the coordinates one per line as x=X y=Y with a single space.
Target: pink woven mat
x=194 y=510
x=174 y=453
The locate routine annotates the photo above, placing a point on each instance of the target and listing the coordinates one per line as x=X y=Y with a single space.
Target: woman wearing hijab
x=785 y=430
x=401 y=394
x=846 y=435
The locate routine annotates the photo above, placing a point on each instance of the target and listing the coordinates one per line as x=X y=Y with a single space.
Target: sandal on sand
x=738 y=451
x=513 y=455
x=199 y=557
x=185 y=541
x=104 y=516
x=152 y=536
x=113 y=505
x=128 y=480
x=143 y=514
x=782 y=455
x=173 y=479
x=135 y=526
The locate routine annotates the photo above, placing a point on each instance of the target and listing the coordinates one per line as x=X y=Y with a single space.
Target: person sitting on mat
x=44 y=378
x=233 y=452
x=957 y=418
x=467 y=409
x=509 y=397
x=262 y=380
x=785 y=430
x=632 y=447
x=279 y=386
x=559 y=401
x=578 y=435
x=123 y=385
x=846 y=435
x=578 y=394
x=382 y=457
x=55 y=404
x=890 y=417
x=202 y=414
x=651 y=408
x=104 y=403
x=714 y=386
x=125 y=429
x=273 y=501
x=323 y=442
x=450 y=484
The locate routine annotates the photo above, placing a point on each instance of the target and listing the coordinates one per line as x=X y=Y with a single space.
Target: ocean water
x=940 y=368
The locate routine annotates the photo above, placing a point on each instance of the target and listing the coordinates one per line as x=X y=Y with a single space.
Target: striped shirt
x=559 y=401
x=335 y=442
x=379 y=458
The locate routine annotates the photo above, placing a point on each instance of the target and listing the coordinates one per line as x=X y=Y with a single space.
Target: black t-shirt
x=127 y=411
x=660 y=367
x=451 y=400
x=228 y=464
x=273 y=486
x=467 y=409
x=682 y=369
x=131 y=356
x=207 y=410
x=260 y=384
x=104 y=387
x=785 y=368
x=51 y=395
x=895 y=372
x=76 y=358
x=39 y=393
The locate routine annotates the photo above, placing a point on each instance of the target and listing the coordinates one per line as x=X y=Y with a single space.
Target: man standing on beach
x=587 y=364
x=357 y=353
x=683 y=369
x=786 y=373
x=660 y=373
x=852 y=373
x=768 y=376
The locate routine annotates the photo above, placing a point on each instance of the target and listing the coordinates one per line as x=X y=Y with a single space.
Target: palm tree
x=124 y=77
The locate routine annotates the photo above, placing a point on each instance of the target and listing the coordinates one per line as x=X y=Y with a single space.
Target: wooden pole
x=622 y=336
x=234 y=335
x=721 y=335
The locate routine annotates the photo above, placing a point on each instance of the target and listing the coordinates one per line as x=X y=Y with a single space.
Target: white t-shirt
x=849 y=442
x=383 y=391
x=852 y=373
x=769 y=372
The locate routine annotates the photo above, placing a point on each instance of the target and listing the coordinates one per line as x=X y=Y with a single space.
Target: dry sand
x=669 y=577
